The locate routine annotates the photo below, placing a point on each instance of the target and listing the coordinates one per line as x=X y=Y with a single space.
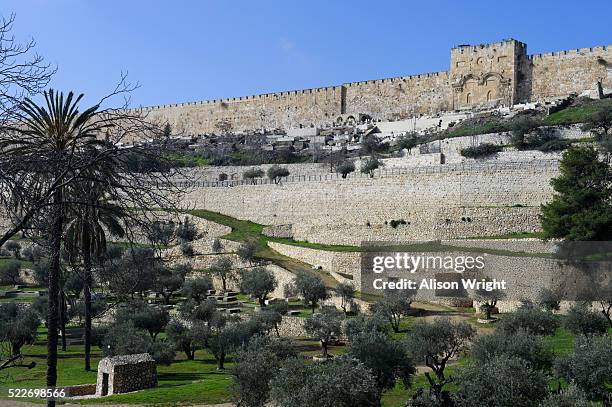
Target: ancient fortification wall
x=452 y=201
x=483 y=75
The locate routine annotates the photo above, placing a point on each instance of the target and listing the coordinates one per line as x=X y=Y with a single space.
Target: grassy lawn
x=185 y=381
x=577 y=114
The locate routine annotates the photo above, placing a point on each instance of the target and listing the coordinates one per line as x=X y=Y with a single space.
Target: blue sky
x=193 y=50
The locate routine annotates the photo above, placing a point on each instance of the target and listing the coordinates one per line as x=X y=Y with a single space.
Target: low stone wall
x=292 y=327
x=285 y=231
x=335 y=262
x=80 y=390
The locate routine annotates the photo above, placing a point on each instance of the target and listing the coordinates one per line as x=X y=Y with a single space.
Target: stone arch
x=489 y=95
x=468 y=98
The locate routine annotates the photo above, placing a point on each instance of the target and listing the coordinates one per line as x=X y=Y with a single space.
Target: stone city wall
x=497 y=199
x=479 y=75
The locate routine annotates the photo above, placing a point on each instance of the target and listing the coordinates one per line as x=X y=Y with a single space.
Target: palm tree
x=50 y=145
x=86 y=231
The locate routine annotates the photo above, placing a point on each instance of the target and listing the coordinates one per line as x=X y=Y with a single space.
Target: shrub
x=14 y=248
x=276 y=173
x=9 y=272
x=217 y=246
x=572 y=396
x=582 y=320
x=481 y=150
x=554 y=145
x=532 y=320
x=395 y=223
x=345 y=168
x=187 y=249
x=187 y=230
x=521 y=344
x=252 y=174
x=501 y=381
x=223 y=177
x=589 y=366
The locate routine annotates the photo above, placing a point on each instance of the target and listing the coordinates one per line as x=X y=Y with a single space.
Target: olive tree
x=276 y=173
x=197 y=288
x=394 y=306
x=325 y=327
x=256 y=364
x=501 y=381
x=532 y=320
x=311 y=288
x=387 y=359
x=340 y=382
x=10 y=272
x=258 y=282
x=589 y=366
x=345 y=168
x=223 y=268
x=522 y=344
x=346 y=292
x=581 y=319
x=434 y=344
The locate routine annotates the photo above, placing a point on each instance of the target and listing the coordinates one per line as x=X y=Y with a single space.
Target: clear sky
x=183 y=51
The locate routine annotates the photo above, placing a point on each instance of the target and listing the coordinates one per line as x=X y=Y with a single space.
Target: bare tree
x=22 y=71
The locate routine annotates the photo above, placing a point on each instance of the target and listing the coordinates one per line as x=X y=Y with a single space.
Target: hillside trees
x=258 y=282
x=48 y=151
x=434 y=344
x=581 y=208
x=311 y=288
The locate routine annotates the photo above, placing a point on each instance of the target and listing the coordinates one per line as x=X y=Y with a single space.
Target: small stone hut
x=126 y=373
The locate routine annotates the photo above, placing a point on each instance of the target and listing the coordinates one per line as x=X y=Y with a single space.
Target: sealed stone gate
x=126 y=373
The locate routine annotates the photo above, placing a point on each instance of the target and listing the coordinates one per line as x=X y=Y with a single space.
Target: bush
x=252 y=174
x=276 y=173
x=572 y=396
x=481 y=150
x=187 y=230
x=582 y=320
x=589 y=366
x=163 y=352
x=345 y=168
x=532 y=320
x=501 y=381
x=223 y=177
x=10 y=272
x=217 y=246
x=524 y=345
x=187 y=249
x=554 y=145
x=14 y=248
x=196 y=289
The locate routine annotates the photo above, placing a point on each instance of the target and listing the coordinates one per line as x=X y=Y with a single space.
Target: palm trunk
x=55 y=243
x=63 y=319
x=85 y=244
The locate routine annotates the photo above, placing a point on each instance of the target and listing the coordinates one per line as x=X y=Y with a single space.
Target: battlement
x=480 y=75
x=507 y=43
x=577 y=51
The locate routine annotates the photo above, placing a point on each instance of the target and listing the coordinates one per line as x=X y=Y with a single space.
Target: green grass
x=492 y=126
x=187 y=160
x=577 y=114
x=184 y=381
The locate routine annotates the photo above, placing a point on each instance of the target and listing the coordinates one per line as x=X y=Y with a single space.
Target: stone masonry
x=126 y=373
x=485 y=75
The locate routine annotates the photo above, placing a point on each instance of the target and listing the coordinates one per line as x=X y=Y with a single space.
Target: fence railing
x=379 y=173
